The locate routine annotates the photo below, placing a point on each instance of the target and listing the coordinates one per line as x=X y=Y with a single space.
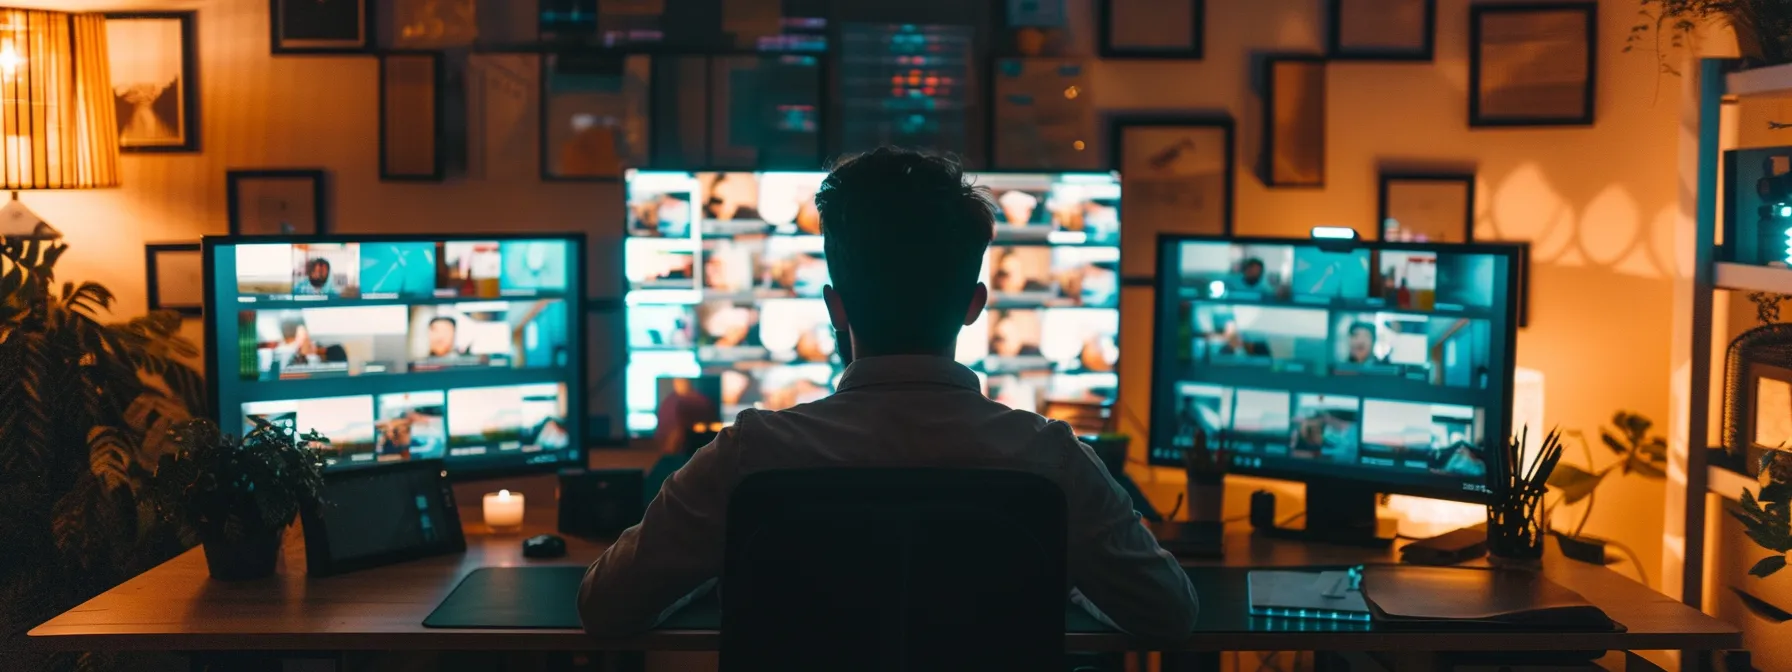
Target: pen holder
x=1206 y=469
x=1515 y=534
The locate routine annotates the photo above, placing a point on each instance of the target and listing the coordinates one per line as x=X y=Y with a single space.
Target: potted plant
x=1763 y=28
x=1637 y=452
x=239 y=495
x=1767 y=516
x=85 y=404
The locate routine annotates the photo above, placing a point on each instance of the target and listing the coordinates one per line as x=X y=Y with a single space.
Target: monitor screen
x=724 y=274
x=1387 y=364
x=402 y=348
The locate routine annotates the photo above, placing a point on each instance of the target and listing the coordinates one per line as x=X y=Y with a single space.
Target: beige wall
x=1597 y=202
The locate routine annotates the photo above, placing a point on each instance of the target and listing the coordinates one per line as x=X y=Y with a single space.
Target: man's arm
x=676 y=549
x=1114 y=560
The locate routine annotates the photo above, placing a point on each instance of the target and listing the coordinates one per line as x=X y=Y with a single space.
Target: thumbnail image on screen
x=521 y=334
x=1202 y=409
x=295 y=343
x=346 y=421
x=398 y=270
x=1439 y=438
x=412 y=425
x=526 y=418
x=1280 y=339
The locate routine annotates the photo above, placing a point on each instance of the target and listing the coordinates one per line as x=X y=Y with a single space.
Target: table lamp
x=57 y=115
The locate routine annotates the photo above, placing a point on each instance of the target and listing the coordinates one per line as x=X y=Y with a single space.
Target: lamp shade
x=57 y=117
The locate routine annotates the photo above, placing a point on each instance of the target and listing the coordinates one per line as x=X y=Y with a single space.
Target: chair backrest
x=894 y=569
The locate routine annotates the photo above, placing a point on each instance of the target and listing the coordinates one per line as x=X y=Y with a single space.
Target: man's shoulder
x=836 y=418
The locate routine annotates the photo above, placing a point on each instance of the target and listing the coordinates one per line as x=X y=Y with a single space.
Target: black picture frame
x=234 y=183
x=153 y=263
x=1481 y=117
x=1308 y=150
x=389 y=126
x=322 y=560
x=187 y=97
x=1111 y=47
x=323 y=16
x=630 y=158
x=1340 y=48
x=1388 y=182
x=1138 y=248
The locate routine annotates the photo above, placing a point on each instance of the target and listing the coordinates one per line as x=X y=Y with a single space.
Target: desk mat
x=512 y=597
x=547 y=597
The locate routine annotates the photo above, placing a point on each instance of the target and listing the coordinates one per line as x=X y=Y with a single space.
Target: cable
x=1641 y=574
x=1292 y=517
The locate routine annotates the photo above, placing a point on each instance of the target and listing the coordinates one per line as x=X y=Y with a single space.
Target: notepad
x=1328 y=595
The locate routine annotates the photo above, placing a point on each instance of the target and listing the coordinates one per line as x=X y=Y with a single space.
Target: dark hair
x=444 y=318
x=904 y=236
x=1252 y=261
x=1365 y=326
x=314 y=263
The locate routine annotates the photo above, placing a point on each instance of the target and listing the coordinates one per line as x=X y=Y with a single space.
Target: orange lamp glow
x=57 y=116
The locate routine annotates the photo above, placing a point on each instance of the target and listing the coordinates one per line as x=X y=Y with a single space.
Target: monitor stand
x=1339 y=514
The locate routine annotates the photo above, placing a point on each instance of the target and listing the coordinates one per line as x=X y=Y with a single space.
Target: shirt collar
x=897 y=369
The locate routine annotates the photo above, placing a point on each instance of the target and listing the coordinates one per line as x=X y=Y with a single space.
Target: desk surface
x=176 y=606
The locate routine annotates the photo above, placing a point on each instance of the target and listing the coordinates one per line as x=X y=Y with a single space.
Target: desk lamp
x=57 y=116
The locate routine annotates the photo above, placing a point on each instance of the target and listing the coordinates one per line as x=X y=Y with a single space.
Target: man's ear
x=836 y=309
x=979 y=300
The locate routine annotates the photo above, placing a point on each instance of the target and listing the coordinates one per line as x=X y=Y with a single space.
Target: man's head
x=1361 y=342
x=1252 y=269
x=318 y=271
x=905 y=237
x=441 y=336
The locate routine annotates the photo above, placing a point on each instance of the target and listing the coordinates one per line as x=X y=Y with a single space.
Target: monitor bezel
x=578 y=413
x=1502 y=428
x=628 y=177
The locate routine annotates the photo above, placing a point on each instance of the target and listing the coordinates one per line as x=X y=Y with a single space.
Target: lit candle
x=504 y=511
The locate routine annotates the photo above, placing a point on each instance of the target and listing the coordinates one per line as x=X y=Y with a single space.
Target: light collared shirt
x=897 y=411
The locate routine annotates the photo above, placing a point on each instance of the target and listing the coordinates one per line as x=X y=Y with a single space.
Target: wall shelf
x=1773 y=80
x=1752 y=278
x=1727 y=484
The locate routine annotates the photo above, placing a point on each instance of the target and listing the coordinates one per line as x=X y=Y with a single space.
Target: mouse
x=544 y=546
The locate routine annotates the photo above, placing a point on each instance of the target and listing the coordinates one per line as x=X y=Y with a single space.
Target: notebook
x=1443 y=597
x=1326 y=595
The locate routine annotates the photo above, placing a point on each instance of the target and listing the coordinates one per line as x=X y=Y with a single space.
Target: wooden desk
x=177 y=607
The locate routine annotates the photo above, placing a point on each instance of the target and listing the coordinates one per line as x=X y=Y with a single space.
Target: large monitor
x=1357 y=367
x=724 y=274
x=465 y=348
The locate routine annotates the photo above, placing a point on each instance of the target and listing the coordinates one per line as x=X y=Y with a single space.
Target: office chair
x=894 y=570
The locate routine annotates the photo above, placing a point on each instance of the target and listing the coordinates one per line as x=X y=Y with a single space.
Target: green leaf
x=1767 y=566
x=1573 y=482
x=1776 y=492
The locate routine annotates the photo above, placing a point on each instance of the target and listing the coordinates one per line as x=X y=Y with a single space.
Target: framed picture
x=1044 y=115
x=594 y=115
x=155 y=83
x=1532 y=65
x=287 y=202
x=320 y=26
x=411 y=116
x=1176 y=176
x=1437 y=208
x=175 y=277
x=1382 y=30
x=1151 y=28
x=1294 y=122
x=764 y=112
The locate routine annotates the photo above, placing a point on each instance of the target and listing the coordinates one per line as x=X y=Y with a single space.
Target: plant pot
x=252 y=557
x=1206 y=495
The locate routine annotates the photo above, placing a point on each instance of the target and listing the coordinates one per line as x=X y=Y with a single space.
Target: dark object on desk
x=1263 y=509
x=1192 y=539
x=1449 y=548
x=381 y=515
x=942 y=569
x=1332 y=595
x=1345 y=515
x=1515 y=518
x=544 y=546
x=1456 y=598
x=512 y=597
x=601 y=503
x=1585 y=549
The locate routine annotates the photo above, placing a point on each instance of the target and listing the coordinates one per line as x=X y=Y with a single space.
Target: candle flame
x=503 y=494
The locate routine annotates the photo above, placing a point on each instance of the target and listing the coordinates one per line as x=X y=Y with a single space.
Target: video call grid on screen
x=1386 y=363
x=404 y=347
x=724 y=274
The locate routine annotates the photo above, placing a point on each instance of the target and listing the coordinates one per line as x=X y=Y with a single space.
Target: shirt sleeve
x=1114 y=561
x=674 y=551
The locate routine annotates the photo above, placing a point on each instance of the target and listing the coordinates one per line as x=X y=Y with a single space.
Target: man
x=442 y=334
x=317 y=279
x=1360 y=344
x=902 y=402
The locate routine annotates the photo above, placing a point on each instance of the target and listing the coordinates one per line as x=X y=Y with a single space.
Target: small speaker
x=599 y=504
x=1263 y=510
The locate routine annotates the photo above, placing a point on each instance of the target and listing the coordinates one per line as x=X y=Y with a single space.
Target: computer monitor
x=396 y=348
x=1357 y=367
x=724 y=272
